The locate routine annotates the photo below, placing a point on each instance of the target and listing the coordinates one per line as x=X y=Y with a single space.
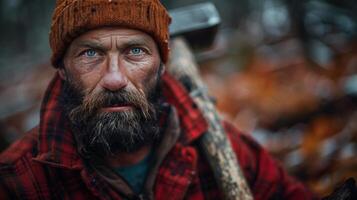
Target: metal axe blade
x=197 y=23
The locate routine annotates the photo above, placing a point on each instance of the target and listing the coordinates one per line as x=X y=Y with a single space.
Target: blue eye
x=136 y=51
x=90 y=53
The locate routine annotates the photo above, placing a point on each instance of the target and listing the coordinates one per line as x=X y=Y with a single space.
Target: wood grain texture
x=214 y=143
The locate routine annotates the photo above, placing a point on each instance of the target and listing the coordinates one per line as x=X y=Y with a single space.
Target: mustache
x=96 y=100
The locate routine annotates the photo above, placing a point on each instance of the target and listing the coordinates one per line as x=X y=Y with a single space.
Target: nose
x=115 y=76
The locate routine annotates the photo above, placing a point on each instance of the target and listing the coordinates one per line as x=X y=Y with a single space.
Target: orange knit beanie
x=74 y=17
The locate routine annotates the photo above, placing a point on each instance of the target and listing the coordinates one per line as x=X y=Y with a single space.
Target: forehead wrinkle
x=91 y=44
x=91 y=41
x=132 y=42
x=111 y=39
x=111 y=42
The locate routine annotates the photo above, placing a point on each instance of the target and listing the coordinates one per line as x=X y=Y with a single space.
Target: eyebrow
x=122 y=45
x=90 y=44
x=133 y=42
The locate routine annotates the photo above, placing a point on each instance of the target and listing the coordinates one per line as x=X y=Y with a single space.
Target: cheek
x=86 y=73
x=144 y=76
x=90 y=80
x=86 y=66
x=86 y=81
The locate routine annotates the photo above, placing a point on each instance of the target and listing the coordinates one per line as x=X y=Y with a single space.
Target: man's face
x=111 y=77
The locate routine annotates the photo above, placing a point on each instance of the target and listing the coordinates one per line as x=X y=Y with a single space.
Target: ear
x=62 y=73
x=162 y=69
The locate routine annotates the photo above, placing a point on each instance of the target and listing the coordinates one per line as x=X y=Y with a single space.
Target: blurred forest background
x=284 y=72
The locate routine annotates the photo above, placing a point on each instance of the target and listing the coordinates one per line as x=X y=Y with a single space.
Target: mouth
x=117 y=107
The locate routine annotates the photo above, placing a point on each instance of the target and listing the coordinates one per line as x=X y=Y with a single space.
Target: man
x=115 y=125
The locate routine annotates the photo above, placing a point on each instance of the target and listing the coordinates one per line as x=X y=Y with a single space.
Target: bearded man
x=115 y=125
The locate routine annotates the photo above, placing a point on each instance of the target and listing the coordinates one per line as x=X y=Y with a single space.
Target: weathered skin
x=113 y=59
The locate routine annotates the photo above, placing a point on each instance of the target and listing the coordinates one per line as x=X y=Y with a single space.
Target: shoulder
x=20 y=149
x=265 y=175
x=252 y=157
x=256 y=162
x=236 y=135
x=16 y=169
x=242 y=143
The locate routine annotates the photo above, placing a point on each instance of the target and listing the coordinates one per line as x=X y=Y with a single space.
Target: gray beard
x=107 y=134
x=112 y=133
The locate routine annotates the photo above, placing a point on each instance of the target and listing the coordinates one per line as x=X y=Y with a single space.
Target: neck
x=126 y=159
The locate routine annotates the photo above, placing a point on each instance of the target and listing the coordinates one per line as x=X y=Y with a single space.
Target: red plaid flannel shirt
x=45 y=165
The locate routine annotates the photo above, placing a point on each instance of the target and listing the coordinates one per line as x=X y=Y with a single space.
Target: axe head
x=197 y=23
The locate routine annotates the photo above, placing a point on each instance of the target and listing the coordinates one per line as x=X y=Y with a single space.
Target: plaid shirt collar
x=57 y=145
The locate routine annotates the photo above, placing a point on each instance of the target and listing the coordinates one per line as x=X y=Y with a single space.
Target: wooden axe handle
x=214 y=142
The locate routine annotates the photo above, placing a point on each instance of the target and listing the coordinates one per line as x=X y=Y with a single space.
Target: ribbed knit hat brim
x=72 y=18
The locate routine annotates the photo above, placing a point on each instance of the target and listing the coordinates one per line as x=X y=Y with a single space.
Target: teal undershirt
x=136 y=174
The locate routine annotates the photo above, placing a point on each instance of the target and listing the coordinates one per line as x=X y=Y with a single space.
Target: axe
x=197 y=26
